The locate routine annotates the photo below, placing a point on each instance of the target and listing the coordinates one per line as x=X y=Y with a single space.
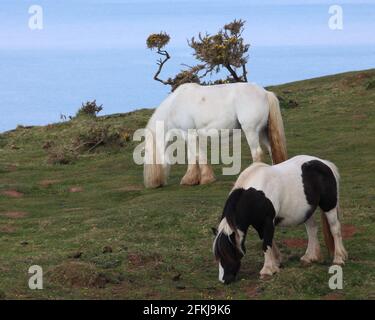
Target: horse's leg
x=265 y=141
x=340 y=254
x=207 y=174
x=270 y=264
x=276 y=253
x=252 y=137
x=313 y=248
x=192 y=175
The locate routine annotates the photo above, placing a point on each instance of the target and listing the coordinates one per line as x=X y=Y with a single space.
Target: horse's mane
x=225 y=248
x=225 y=240
x=229 y=211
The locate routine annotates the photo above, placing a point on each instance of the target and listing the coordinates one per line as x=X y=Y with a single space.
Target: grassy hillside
x=98 y=233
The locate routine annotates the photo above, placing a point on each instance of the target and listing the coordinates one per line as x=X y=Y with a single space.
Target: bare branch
x=208 y=71
x=161 y=63
x=244 y=72
x=232 y=72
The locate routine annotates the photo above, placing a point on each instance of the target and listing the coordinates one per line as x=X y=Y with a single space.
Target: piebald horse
x=285 y=194
x=225 y=106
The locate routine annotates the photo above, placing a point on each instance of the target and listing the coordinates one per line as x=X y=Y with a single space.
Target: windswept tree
x=226 y=49
x=157 y=42
x=223 y=50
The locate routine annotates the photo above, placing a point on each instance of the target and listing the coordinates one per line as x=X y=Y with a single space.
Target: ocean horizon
x=40 y=85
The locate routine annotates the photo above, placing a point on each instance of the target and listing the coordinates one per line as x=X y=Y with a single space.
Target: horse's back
x=217 y=106
x=295 y=186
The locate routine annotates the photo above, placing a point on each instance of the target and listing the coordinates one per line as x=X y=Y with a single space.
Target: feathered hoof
x=268 y=271
x=339 y=261
x=340 y=256
x=190 y=180
x=307 y=260
x=207 y=180
x=266 y=277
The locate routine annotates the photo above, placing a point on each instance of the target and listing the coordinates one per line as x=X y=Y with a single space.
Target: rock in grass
x=107 y=249
x=76 y=255
x=177 y=277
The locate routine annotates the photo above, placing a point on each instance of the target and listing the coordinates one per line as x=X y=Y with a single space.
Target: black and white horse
x=285 y=194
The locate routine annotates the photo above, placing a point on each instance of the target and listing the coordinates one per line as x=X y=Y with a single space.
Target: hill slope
x=98 y=234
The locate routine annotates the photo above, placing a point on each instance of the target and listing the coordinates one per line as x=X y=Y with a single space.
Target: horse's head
x=228 y=250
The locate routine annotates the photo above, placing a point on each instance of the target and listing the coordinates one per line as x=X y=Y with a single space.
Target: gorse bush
x=371 y=84
x=90 y=108
x=61 y=154
x=85 y=135
x=94 y=135
x=225 y=50
x=286 y=103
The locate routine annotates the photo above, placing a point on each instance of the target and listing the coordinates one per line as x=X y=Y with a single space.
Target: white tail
x=154 y=174
x=327 y=234
x=276 y=133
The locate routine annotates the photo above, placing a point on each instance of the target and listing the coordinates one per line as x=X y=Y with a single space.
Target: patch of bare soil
x=333 y=296
x=12 y=167
x=132 y=187
x=75 y=189
x=295 y=242
x=12 y=193
x=253 y=291
x=73 y=209
x=139 y=260
x=359 y=117
x=47 y=183
x=121 y=291
x=14 y=214
x=7 y=228
x=348 y=231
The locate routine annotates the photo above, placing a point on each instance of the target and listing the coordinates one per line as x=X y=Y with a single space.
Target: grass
x=114 y=239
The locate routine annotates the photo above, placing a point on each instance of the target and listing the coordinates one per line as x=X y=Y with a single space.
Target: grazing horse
x=285 y=194
x=225 y=106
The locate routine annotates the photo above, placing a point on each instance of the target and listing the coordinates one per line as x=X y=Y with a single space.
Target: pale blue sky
x=80 y=24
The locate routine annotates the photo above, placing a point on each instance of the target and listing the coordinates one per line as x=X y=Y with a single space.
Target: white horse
x=285 y=194
x=226 y=106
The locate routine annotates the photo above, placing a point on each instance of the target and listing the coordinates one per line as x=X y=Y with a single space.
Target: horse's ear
x=214 y=231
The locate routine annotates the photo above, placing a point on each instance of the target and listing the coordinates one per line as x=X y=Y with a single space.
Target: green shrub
x=90 y=108
x=95 y=134
x=370 y=84
x=286 y=103
x=61 y=155
x=85 y=135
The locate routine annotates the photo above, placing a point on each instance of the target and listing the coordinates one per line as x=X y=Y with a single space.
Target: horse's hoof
x=307 y=260
x=339 y=261
x=306 y=263
x=267 y=272
x=207 y=180
x=265 y=276
x=184 y=183
x=189 y=181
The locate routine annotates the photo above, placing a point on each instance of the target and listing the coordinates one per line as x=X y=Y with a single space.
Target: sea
x=39 y=87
